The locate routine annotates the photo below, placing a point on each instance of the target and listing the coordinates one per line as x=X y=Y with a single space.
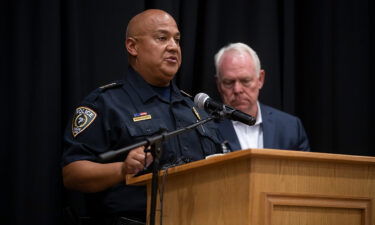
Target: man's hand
x=137 y=160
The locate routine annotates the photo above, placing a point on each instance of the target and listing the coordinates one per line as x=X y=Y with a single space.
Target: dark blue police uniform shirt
x=124 y=113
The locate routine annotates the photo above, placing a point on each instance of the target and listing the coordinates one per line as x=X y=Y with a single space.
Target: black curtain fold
x=30 y=78
x=318 y=56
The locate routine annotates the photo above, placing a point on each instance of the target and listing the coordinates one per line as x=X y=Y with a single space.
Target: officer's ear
x=131 y=46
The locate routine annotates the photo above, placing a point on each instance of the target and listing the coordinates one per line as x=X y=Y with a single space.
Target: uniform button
x=148 y=130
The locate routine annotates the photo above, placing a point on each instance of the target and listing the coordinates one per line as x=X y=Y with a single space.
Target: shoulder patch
x=186 y=94
x=111 y=85
x=82 y=119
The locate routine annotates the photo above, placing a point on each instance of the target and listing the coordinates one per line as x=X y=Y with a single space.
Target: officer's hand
x=136 y=160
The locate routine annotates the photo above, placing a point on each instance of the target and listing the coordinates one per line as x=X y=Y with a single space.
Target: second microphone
x=203 y=101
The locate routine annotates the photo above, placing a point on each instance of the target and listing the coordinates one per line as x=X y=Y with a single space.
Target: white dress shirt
x=250 y=136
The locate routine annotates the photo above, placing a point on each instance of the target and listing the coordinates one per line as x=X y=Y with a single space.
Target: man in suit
x=239 y=79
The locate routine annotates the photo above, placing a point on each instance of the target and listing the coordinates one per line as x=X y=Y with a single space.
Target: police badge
x=82 y=119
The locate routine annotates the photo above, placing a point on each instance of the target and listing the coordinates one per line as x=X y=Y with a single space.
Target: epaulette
x=186 y=94
x=98 y=91
x=111 y=85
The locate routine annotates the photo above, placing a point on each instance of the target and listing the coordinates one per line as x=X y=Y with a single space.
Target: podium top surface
x=253 y=154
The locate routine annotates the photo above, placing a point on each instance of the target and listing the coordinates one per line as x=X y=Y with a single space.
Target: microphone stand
x=156 y=149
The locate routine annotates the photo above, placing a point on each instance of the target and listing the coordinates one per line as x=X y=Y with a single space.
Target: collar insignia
x=141 y=116
x=82 y=119
x=186 y=94
x=196 y=113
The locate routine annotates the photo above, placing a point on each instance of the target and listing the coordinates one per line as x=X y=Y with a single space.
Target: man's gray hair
x=238 y=47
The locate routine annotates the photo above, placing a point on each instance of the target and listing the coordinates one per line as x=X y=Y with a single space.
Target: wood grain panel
x=301 y=188
x=315 y=209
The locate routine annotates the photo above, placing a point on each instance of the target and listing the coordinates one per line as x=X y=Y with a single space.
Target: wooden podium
x=265 y=186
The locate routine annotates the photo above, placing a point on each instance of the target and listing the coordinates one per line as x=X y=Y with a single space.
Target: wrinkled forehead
x=165 y=24
x=234 y=59
x=236 y=64
x=237 y=57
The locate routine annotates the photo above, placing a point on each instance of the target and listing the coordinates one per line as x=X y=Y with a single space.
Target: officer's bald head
x=139 y=24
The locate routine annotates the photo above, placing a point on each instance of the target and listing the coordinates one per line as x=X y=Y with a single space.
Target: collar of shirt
x=257 y=121
x=145 y=90
x=163 y=92
x=250 y=136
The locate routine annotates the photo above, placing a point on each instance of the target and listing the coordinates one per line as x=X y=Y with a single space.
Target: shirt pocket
x=145 y=128
x=210 y=141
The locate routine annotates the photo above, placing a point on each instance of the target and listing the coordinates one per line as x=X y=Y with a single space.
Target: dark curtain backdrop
x=318 y=56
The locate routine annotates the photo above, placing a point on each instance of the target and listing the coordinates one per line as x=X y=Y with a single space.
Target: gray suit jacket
x=280 y=131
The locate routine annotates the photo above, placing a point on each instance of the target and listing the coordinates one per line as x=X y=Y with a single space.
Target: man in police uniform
x=145 y=103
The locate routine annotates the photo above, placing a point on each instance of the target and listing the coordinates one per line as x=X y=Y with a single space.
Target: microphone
x=203 y=101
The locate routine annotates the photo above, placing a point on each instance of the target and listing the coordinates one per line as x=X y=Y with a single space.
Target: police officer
x=145 y=103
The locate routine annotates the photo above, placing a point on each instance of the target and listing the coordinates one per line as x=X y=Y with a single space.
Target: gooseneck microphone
x=203 y=101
